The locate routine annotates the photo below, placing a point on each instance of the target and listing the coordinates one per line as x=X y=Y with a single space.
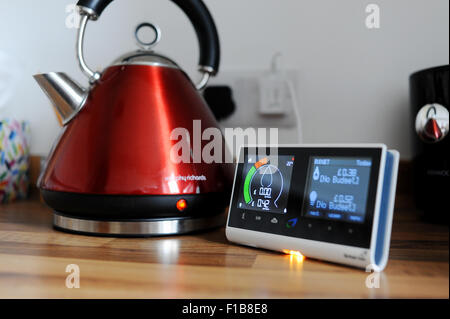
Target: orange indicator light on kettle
x=181 y=205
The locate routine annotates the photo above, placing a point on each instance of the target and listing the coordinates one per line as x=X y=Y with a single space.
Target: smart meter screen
x=337 y=188
x=266 y=182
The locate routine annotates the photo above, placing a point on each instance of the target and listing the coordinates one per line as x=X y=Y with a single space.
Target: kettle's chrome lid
x=145 y=55
x=140 y=57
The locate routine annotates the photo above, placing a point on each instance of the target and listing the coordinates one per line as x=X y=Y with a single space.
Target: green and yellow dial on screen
x=248 y=178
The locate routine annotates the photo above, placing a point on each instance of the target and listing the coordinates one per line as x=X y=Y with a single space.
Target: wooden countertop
x=34 y=257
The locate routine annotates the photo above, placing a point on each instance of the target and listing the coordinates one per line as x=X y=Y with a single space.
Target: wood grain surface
x=34 y=257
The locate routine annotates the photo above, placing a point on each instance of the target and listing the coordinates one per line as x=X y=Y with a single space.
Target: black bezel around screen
x=337 y=232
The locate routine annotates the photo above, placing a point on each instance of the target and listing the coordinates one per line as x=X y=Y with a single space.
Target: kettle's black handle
x=200 y=18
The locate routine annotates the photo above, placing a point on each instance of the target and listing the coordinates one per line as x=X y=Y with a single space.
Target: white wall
x=353 y=83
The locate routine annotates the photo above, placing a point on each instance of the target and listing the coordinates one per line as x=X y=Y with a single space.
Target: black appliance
x=430 y=108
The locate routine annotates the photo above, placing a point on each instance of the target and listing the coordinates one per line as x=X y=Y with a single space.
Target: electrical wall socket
x=262 y=98
x=275 y=94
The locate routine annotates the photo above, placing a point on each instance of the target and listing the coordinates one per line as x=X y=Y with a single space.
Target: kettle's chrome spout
x=67 y=96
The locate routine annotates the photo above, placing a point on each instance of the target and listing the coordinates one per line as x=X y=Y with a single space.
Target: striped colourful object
x=14 y=160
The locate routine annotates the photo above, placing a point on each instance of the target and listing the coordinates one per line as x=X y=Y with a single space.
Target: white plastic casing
x=348 y=255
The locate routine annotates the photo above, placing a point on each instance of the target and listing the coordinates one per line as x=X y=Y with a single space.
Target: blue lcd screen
x=337 y=188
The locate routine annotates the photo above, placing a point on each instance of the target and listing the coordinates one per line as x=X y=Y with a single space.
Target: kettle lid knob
x=147 y=45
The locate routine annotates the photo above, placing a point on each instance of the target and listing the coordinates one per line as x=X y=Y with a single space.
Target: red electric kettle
x=111 y=170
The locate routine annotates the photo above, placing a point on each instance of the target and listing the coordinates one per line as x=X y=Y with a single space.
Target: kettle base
x=136 y=228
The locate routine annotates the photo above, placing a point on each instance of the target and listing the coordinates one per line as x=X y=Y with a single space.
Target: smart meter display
x=337 y=188
x=265 y=183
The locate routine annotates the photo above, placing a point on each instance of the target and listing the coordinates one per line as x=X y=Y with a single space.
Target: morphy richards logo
x=186 y=178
